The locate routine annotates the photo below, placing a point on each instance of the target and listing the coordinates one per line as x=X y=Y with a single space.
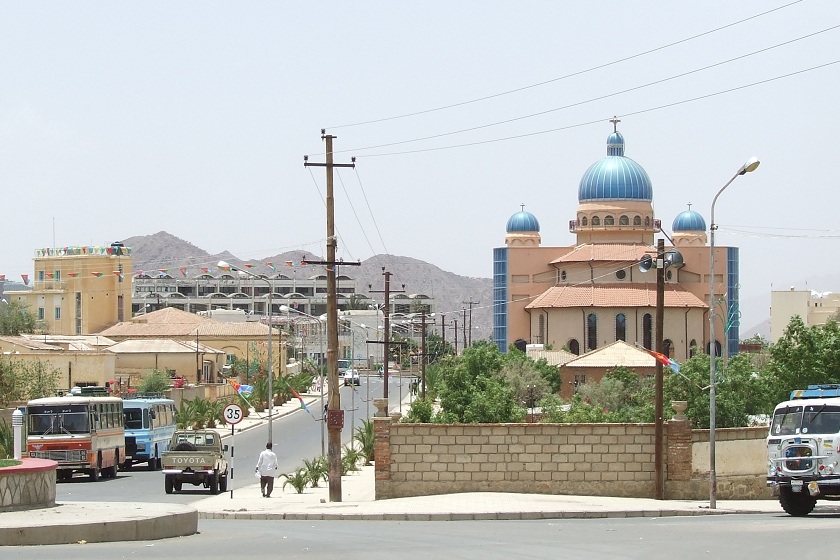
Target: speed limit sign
x=233 y=414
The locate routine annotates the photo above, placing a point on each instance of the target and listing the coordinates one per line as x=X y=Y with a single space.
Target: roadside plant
x=155 y=382
x=317 y=469
x=364 y=436
x=350 y=460
x=297 y=480
x=421 y=412
x=182 y=415
x=215 y=412
x=7 y=440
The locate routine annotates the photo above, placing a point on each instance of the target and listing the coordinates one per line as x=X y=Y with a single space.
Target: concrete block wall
x=28 y=485
x=594 y=459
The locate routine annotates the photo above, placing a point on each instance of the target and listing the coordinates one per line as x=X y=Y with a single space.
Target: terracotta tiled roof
x=169 y=316
x=605 y=252
x=174 y=323
x=552 y=357
x=613 y=295
x=619 y=353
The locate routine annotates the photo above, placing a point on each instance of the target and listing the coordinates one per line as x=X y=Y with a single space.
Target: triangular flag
x=2 y=277
x=289 y=263
x=302 y=404
x=248 y=265
x=72 y=274
x=205 y=270
x=225 y=268
x=664 y=360
x=49 y=274
x=25 y=278
x=183 y=270
x=97 y=274
x=270 y=265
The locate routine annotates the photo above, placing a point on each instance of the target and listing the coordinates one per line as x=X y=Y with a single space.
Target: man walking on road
x=267 y=467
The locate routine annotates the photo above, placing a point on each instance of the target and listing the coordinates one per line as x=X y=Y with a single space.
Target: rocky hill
x=162 y=251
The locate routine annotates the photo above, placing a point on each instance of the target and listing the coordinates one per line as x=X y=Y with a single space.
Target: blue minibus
x=149 y=425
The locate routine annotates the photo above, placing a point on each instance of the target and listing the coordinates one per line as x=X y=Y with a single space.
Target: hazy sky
x=127 y=118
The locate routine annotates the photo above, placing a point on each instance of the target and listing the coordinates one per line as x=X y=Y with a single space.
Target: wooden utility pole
x=471 y=303
x=386 y=323
x=335 y=415
x=659 y=455
x=423 y=356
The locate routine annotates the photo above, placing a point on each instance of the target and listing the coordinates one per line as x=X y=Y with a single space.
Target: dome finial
x=689 y=206
x=522 y=207
x=615 y=120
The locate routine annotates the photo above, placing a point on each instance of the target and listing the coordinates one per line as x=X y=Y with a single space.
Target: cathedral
x=592 y=294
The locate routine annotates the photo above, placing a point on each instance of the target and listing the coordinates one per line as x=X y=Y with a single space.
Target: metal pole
x=321 y=378
x=749 y=166
x=659 y=456
x=270 y=368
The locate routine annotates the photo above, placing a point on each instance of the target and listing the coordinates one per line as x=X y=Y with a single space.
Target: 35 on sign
x=233 y=414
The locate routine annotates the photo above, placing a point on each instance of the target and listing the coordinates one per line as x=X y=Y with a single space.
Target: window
x=57 y=313
x=541 y=333
x=584 y=221
x=596 y=221
x=624 y=221
x=40 y=313
x=637 y=220
x=692 y=348
x=57 y=275
x=609 y=221
x=718 y=352
x=647 y=331
x=574 y=347
x=621 y=327
x=580 y=379
x=621 y=274
x=563 y=275
x=592 y=331
x=668 y=348
x=647 y=220
x=40 y=276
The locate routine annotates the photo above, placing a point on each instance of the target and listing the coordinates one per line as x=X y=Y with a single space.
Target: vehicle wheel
x=177 y=485
x=126 y=466
x=94 y=472
x=111 y=472
x=63 y=476
x=798 y=504
x=214 y=484
x=223 y=483
x=168 y=484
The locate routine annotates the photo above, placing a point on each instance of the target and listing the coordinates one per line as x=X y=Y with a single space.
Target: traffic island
x=88 y=522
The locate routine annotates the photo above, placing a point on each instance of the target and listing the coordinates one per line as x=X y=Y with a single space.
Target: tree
x=156 y=382
x=15 y=318
x=22 y=380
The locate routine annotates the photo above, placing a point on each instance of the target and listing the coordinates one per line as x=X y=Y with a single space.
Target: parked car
x=351 y=377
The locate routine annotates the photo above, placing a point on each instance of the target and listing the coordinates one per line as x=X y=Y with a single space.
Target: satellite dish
x=645 y=263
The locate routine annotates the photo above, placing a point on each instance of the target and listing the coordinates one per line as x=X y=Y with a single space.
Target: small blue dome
x=615 y=177
x=522 y=221
x=689 y=221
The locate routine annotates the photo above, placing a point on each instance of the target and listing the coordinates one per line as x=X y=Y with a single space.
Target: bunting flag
x=303 y=262
x=664 y=360
x=330 y=268
x=118 y=274
x=205 y=270
x=298 y=397
x=25 y=278
x=248 y=265
x=72 y=274
x=271 y=266
x=2 y=277
x=164 y=270
x=49 y=275
x=184 y=271
x=97 y=274
x=226 y=268
x=289 y=263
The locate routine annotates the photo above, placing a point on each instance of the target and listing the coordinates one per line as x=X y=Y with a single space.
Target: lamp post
x=224 y=265
x=286 y=309
x=748 y=167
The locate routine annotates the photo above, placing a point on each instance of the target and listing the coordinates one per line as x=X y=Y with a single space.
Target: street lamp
x=748 y=167
x=224 y=266
x=286 y=309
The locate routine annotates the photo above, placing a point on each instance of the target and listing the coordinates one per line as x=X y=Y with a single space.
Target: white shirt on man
x=267 y=463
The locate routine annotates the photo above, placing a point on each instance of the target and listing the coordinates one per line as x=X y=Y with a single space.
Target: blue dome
x=615 y=177
x=689 y=221
x=522 y=221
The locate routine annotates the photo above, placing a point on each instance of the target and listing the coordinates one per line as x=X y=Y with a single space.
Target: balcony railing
x=575 y=226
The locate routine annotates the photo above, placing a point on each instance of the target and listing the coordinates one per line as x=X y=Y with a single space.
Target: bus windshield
x=786 y=421
x=821 y=419
x=65 y=419
x=133 y=418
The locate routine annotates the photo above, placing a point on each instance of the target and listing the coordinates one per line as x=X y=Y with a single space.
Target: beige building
x=79 y=290
x=137 y=358
x=232 y=339
x=593 y=366
x=77 y=362
x=592 y=294
x=814 y=308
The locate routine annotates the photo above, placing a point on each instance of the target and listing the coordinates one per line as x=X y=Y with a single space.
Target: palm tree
x=317 y=469
x=350 y=460
x=297 y=480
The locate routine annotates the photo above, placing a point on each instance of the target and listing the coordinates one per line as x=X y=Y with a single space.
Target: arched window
x=592 y=331
x=542 y=329
x=584 y=221
x=596 y=221
x=668 y=347
x=647 y=220
x=609 y=221
x=621 y=327
x=718 y=351
x=637 y=220
x=624 y=221
x=647 y=331
x=574 y=347
x=692 y=348
x=563 y=275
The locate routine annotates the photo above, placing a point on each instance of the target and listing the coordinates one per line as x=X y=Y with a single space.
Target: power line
x=573 y=74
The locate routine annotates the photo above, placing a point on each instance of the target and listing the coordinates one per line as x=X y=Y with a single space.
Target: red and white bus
x=83 y=433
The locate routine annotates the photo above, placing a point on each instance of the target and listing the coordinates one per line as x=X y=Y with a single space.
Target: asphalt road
x=724 y=537
x=297 y=436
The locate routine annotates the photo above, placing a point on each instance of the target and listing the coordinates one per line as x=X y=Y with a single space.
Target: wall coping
x=30 y=466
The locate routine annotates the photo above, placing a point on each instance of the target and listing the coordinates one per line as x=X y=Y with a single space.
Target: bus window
x=133 y=418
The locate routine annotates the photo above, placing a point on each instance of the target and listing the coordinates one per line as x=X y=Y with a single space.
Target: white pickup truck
x=195 y=457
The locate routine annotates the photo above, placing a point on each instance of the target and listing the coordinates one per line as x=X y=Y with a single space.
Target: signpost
x=233 y=415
